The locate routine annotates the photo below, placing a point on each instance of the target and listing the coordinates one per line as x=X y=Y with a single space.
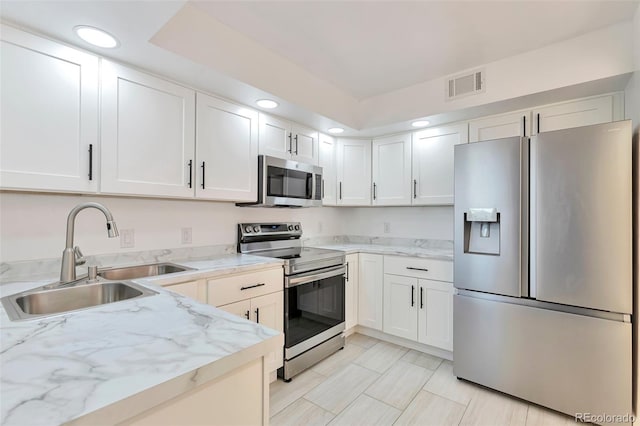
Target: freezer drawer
x=570 y=363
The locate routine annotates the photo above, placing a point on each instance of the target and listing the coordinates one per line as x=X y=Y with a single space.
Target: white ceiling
x=367 y=48
x=362 y=48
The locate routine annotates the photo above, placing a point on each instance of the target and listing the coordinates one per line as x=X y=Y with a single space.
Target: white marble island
x=109 y=364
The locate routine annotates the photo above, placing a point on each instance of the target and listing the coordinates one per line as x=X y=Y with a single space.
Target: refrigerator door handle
x=530 y=248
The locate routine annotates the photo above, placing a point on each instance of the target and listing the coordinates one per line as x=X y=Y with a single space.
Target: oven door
x=289 y=183
x=314 y=308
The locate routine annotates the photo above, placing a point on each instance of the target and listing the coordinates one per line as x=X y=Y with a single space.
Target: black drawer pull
x=90 y=161
x=252 y=286
x=417 y=269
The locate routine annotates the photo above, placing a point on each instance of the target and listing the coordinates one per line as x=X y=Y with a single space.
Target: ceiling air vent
x=465 y=84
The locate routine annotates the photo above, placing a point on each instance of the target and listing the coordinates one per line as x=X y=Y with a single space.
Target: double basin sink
x=112 y=285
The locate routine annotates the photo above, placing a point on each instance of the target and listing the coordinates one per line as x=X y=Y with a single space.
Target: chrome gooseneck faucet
x=72 y=256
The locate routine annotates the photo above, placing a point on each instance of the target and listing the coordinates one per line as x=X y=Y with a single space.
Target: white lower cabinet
x=418 y=300
x=256 y=296
x=400 y=310
x=370 y=290
x=196 y=290
x=435 y=316
x=351 y=292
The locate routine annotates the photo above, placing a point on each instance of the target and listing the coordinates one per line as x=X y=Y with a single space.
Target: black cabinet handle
x=323 y=189
x=341 y=190
x=415 y=188
x=374 y=190
x=417 y=269
x=252 y=286
x=524 y=125
x=190 y=173
x=257 y=315
x=290 y=144
x=296 y=138
x=421 y=298
x=90 y=161
x=247 y=314
x=413 y=295
x=203 y=167
x=347 y=271
x=538 y=122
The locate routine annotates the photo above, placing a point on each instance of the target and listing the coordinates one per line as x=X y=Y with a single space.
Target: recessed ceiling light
x=96 y=36
x=267 y=103
x=420 y=123
x=336 y=130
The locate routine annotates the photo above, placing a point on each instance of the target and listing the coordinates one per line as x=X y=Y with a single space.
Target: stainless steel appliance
x=286 y=183
x=543 y=268
x=314 y=292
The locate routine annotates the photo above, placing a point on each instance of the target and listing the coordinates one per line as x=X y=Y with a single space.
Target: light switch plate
x=185 y=235
x=127 y=238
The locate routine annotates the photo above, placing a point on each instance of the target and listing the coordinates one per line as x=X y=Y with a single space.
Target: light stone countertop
x=399 y=250
x=106 y=364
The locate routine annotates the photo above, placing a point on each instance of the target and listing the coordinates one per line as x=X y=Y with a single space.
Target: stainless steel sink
x=141 y=271
x=47 y=302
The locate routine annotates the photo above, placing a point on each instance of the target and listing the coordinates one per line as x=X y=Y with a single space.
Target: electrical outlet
x=186 y=236
x=127 y=238
x=387 y=227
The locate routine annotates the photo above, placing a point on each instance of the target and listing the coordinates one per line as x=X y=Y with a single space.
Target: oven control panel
x=269 y=229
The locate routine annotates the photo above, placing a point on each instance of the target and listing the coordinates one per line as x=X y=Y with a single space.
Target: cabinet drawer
x=440 y=270
x=239 y=287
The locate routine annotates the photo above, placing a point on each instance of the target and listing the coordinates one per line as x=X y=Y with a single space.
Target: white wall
x=32 y=226
x=405 y=222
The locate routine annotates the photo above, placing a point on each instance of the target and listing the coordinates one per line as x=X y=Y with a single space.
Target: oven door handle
x=314 y=276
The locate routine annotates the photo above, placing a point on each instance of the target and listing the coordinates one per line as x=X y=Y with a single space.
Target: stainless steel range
x=314 y=292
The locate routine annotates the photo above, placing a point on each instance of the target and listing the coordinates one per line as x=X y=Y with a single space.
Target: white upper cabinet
x=432 y=152
x=391 y=174
x=282 y=139
x=49 y=126
x=582 y=112
x=354 y=172
x=226 y=163
x=500 y=126
x=148 y=139
x=327 y=160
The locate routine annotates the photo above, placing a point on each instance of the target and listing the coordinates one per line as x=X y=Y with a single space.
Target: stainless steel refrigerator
x=543 y=268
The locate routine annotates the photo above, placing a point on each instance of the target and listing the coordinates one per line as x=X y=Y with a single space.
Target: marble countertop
x=414 y=251
x=90 y=365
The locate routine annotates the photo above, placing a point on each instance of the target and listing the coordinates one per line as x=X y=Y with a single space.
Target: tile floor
x=371 y=382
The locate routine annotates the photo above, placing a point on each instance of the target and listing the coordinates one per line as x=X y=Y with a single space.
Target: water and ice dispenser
x=482 y=231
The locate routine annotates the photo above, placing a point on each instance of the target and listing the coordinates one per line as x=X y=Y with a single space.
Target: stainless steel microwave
x=286 y=183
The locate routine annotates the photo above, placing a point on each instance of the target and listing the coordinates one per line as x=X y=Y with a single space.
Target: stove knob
x=297 y=227
x=248 y=228
x=290 y=227
x=256 y=229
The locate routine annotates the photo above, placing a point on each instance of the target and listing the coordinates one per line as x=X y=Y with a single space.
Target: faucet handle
x=80 y=260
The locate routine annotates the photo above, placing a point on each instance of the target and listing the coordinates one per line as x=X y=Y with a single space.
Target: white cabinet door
x=275 y=137
x=49 y=119
x=268 y=310
x=226 y=151
x=354 y=172
x=400 y=306
x=391 y=175
x=305 y=144
x=433 y=163
x=370 y=290
x=435 y=326
x=196 y=290
x=148 y=127
x=578 y=113
x=327 y=160
x=500 y=126
x=241 y=308
x=351 y=292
